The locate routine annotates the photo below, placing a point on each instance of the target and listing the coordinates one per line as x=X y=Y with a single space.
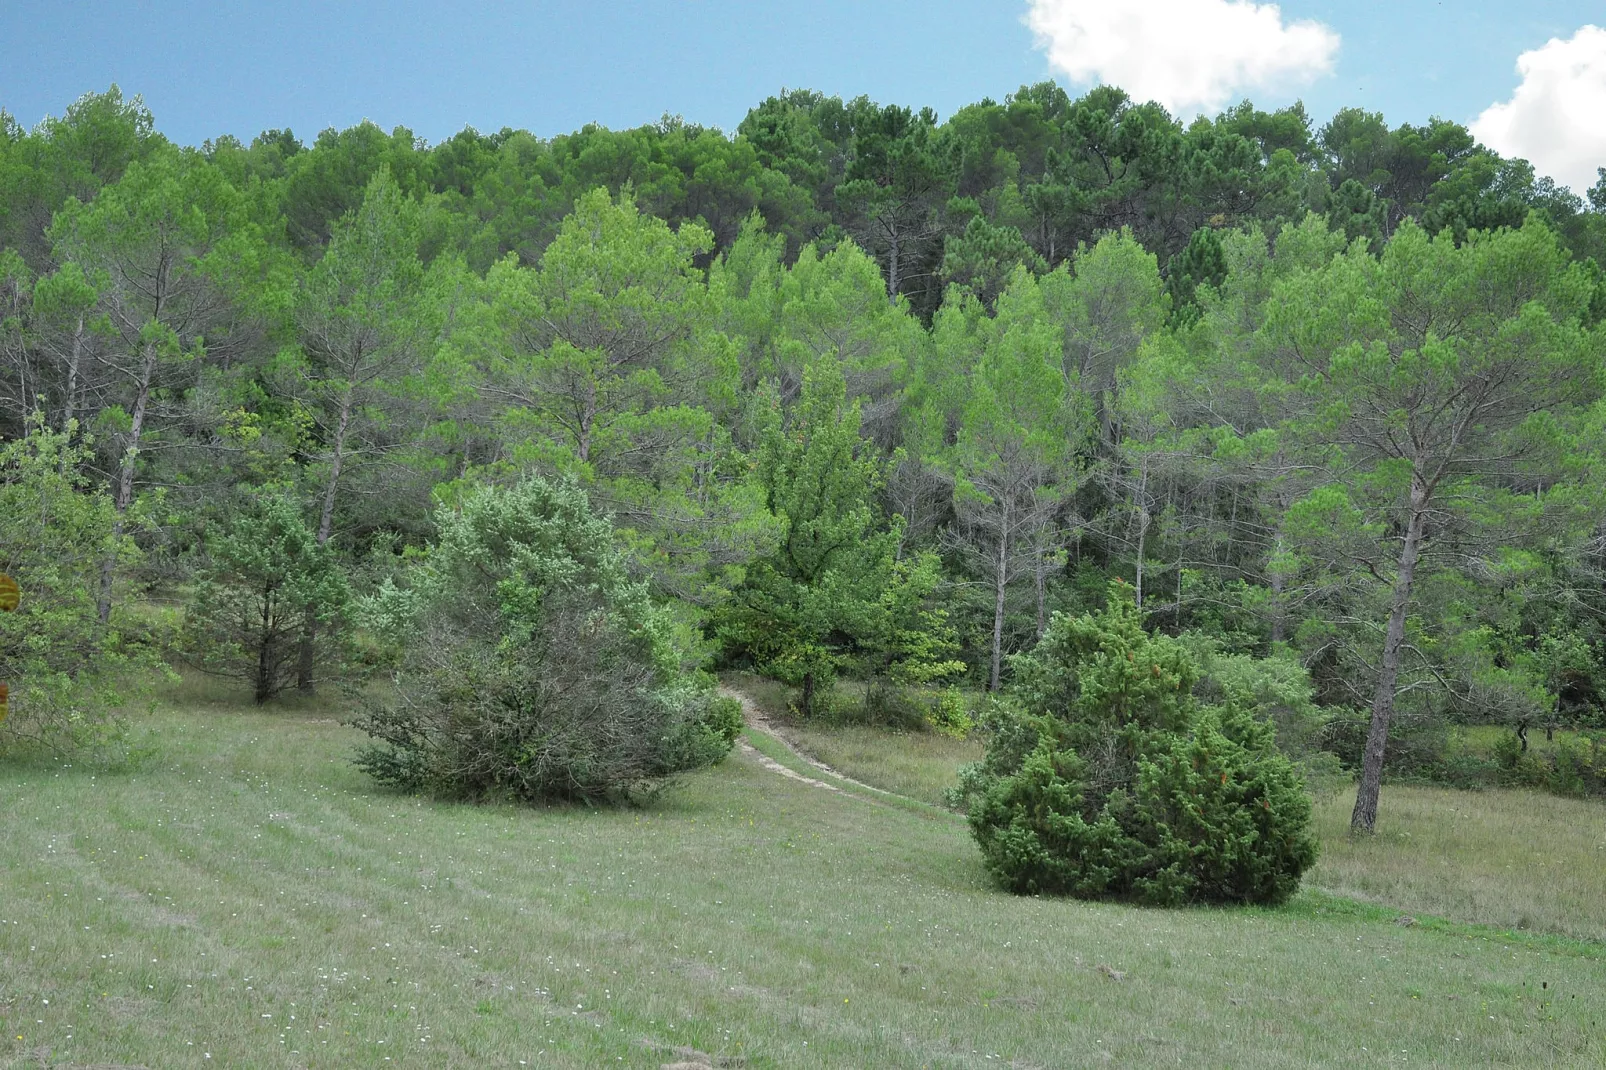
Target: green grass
x=1511 y=859
x=921 y=765
x=247 y=894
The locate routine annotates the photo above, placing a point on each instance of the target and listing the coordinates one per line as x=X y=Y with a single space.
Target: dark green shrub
x=533 y=668
x=1110 y=779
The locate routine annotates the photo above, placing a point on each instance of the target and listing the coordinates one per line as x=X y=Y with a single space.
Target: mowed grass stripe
x=257 y=900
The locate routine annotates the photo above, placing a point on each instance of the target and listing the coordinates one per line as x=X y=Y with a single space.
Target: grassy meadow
x=1514 y=859
x=244 y=897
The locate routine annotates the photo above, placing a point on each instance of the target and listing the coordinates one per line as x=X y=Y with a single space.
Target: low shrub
x=949 y=714
x=1579 y=768
x=533 y=668
x=724 y=718
x=1275 y=689
x=1420 y=742
x=895 y=706
x=1575 y=767
x=889 y=705
x=1106 y=777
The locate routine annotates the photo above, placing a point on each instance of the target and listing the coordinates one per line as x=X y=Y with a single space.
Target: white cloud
x=1190 y=55
x=1556 y=120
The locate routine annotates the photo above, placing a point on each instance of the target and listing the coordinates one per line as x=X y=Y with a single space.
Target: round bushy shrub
x=532 y=666
x=1106 y=778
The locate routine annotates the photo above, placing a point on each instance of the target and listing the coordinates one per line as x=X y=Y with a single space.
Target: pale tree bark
x=894 y=279
x=1143 y=540
x=336 y=463
x=1000 y=584
x=1364 y=818
x=588 y=417
x=1040 y=581
x=69 y=410
x=1277 y=577
x=125 y=482
x=1048 y=540
x=306 y=664
x=1279 y=609
x=74 y=356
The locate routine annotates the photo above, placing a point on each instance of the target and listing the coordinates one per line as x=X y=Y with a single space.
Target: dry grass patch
x=921 y=765
x=1512 y=859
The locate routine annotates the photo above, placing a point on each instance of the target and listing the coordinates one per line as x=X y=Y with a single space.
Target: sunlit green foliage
x=67 y=674
x=1020 y=350
x=531 y=666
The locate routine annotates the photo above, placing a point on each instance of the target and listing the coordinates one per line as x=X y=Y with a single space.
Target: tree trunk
x=999 y=580
x=337 y=463
x=893 y=267
x=1143 y=536
x=125 y=483
x=1279 y=625
x=1364 y=819
x=307 y=655
x=587 y=418
x=264 y=672
x=1277 y=577
x=73 y=358
x=1040 y=577
x=1182 y=533
x=1279 y=584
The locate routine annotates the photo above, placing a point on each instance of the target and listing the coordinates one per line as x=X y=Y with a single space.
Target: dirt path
x=759 y=722
x=776 y=767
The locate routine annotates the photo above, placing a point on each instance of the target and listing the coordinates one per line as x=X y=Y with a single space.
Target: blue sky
x=240 y=67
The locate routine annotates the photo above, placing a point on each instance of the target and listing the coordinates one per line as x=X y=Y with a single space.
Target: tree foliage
x=829 y=591
x=868 y=391
x=1114 y=781
x=67 y=674
x=1436 y=386
x=531 y=666
x=265 y=575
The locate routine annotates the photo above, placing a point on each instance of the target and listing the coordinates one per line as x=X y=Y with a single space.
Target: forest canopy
x=864 y=392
